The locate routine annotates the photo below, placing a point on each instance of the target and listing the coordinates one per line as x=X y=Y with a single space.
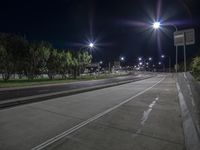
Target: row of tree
x=195 y=67
x=32 y=59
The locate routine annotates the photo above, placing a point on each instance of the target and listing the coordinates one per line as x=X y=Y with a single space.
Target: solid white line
x=71 y=130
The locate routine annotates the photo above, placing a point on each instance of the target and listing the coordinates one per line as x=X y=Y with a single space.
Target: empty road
x=141 y=115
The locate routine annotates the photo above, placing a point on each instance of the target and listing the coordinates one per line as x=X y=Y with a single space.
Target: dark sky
x=118 y=27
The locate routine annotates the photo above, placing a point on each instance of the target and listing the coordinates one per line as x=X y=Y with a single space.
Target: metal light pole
x=169 y=59
x=176 y=29
x=185 y=67
x=156 y=25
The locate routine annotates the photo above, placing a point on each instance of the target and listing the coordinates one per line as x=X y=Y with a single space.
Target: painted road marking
x=82 y=124
x=147 y=112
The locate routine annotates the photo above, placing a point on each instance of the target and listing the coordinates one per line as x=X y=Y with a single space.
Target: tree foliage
x=196 y=67
x=32 y=59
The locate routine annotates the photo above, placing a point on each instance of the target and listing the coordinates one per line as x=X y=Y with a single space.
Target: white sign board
x=190 y=37
x=179 y=38
x=184 y=37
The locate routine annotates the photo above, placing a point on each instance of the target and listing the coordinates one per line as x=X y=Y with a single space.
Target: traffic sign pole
x=185 y=67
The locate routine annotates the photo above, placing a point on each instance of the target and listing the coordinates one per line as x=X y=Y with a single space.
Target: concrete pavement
x=150 y=119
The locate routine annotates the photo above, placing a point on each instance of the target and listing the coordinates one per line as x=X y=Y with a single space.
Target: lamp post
x=91 y=46
x=176 y=29
x=169 y=59
x=156 y=25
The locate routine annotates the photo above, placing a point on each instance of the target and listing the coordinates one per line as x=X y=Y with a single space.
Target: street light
x=91 y=45
x=150 y=58
x=156 y=25
x=140 y=58
x=122 y=58
x=163 y=56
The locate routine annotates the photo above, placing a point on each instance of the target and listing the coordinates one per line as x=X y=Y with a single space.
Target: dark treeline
x=32 y=59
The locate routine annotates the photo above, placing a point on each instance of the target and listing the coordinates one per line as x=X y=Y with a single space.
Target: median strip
x=41 y=97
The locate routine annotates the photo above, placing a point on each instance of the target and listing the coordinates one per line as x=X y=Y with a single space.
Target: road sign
x=184 y=37
x=179 y=39
x=190 y=37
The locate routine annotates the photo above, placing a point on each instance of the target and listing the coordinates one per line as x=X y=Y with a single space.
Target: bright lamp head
x=156 y=25
x=91 y=45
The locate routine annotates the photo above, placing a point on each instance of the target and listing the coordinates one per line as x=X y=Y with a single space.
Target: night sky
x=118 y=27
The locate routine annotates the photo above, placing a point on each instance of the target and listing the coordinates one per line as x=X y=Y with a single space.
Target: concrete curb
x=192 y=141
x=42 y=97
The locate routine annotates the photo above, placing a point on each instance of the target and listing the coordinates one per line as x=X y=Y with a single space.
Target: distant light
x=156 y=25
x=159 y=63
x=91 y=45
x=122 y=58
x=147 y=63
x=140 y=63
x=101 y=62
x=162 y=56
x=150 y=58
x=139 y=58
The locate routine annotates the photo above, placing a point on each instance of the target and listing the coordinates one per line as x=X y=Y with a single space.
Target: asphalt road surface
x=9 y=94
x=142 y=115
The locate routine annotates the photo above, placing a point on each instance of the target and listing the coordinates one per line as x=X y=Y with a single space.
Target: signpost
x=183 y=38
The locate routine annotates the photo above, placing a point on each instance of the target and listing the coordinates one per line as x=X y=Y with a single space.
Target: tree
x=37 y=60
x=53 y=63
x=86 y=58
x=6 y=65
x=196 y=67
x=6 y=55
x=74 y=67
x=65 y=60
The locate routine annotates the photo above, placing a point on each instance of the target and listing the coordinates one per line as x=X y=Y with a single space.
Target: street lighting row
x=156 y=25
x=143 y=62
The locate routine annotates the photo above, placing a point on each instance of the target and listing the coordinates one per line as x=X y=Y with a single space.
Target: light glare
x=91 y=45
x=156 y=25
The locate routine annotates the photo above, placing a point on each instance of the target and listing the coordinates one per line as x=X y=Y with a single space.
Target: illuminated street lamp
x=140 y=58
x=91 y=45
x=122 y=58
x=150 y=58
x=162 y=56
x=156 y=25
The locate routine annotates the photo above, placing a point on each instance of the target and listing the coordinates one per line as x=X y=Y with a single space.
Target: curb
x=42 y=97
x=192 y=141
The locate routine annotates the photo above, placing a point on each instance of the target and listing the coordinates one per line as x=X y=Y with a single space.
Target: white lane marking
x=147 y=112
x=82 y=124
